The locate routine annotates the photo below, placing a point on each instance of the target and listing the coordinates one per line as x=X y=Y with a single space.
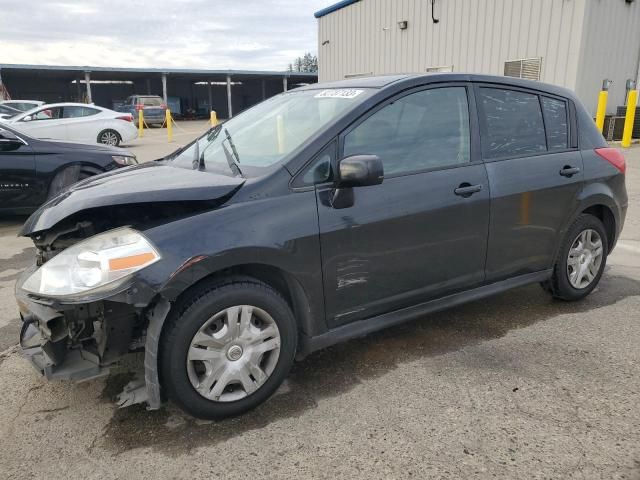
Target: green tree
x=307 y=63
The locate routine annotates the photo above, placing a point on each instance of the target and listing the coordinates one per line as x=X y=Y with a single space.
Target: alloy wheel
x=584 y=259
x=109 y=138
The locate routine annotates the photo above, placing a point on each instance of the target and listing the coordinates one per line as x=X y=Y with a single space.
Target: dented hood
x=146 y=183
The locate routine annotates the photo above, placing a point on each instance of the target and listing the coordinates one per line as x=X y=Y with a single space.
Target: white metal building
x=574 y=43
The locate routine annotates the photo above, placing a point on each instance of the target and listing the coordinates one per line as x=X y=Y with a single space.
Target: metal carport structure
x=225 y=91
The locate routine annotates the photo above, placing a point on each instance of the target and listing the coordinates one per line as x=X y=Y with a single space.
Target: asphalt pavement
x=514 y=386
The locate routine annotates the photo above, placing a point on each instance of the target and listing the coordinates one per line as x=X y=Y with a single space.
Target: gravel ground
x=515 y=386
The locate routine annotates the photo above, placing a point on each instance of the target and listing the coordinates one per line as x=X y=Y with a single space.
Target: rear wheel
x=227 y=348
x=109 y=137
x=581 y=260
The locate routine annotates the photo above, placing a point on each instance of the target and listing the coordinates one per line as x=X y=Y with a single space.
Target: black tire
x=559 y=285
x=190 y=313
x=109 y=134
x=68 y=177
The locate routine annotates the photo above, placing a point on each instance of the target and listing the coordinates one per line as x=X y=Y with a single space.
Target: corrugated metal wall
x=472 y=35
x=610 y=49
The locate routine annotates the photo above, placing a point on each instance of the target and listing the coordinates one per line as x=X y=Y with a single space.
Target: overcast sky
x=217 y=34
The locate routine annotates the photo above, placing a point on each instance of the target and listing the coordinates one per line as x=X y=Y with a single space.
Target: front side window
x=264 y=135
x=423 y=130
x=48 y=114
x=513 y=123
x=555 y=121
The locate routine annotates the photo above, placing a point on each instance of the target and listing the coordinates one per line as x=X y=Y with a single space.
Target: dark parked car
x=33 y=170
x=321 y=214
x=152 y=106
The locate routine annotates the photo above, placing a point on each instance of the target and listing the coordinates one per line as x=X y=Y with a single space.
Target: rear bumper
x=151 y=117
x=128 y=132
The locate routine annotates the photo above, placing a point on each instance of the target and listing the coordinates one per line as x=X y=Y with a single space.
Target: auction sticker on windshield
x=339 y=93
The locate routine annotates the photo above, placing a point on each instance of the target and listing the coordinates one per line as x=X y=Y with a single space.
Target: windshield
x=259 y=138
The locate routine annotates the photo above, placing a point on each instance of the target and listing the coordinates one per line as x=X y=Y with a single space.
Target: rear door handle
x=568 y=171
x=466 y=189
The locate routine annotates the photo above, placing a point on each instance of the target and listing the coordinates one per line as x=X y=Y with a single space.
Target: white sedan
x=76 y=122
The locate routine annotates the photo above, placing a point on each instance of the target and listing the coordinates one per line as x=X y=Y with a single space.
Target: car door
x=82 y=124
x=47 y=122
x=529 y=145
x=420 y=234
x=18 y=186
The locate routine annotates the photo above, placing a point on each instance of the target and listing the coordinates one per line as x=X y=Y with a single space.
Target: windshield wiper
x=233 y=164
x=198 y=161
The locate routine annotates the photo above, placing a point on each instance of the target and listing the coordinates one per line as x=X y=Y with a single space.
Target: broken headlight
x=97 y=263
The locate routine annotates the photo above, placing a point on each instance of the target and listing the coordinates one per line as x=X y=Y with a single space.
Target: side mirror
x=7 y=136
x=28 y=118
x=9 y=141
x=360 y=171
x=355 y=171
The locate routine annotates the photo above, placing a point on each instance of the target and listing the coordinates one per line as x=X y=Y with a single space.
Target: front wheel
x=227 y=348
x=581 y=260
x=109 y=137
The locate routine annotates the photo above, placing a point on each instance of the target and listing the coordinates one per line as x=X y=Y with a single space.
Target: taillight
x=126 y=118
x=614 y=157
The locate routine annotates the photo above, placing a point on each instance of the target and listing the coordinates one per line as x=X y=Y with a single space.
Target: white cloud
x=216 y=34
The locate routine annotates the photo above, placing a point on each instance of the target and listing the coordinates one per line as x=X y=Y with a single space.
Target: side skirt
x=364 y=327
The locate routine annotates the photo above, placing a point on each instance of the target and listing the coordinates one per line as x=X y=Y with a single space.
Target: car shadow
x=338 y=369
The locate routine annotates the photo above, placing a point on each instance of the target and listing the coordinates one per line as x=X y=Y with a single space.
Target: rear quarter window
x=556 y=123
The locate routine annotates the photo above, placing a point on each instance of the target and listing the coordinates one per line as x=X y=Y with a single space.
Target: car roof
x=394 y=81
x=53 y=105
x=70 y=104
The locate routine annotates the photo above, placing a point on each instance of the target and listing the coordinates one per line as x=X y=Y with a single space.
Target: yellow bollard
x=632 y=101
x=214 y=118
x=169 y=121
x=140 y=123
x=602 y=109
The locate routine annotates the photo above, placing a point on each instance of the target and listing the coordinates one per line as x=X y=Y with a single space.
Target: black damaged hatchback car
x=321 y=214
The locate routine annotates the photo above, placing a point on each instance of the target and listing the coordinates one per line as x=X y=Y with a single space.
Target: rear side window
x=77 y=111
x=423 y=130
x=513 y=123
x=555 y=121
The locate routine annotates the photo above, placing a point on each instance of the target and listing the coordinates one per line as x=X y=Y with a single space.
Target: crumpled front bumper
x=77 y=364
x=81 y=341
x=46 y=341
